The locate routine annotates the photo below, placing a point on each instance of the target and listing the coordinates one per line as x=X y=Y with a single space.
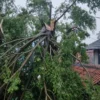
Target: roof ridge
x=94 y=45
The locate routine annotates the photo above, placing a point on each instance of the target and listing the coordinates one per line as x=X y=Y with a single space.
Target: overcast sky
x=93 y=36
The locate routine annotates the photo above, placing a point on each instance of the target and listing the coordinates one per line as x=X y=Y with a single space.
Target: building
x=91 y=71
x=93 y=52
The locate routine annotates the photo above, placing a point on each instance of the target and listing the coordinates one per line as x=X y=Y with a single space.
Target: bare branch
x=27 y=58
x=65 y=11
x=1 y=26
x=1 y=32
x=82 y=66
x=16 y=40
x=11 y=48
x=47 y=96
x=34 y=38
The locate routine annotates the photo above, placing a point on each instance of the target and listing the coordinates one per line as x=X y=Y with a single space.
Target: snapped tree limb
x=65 y=11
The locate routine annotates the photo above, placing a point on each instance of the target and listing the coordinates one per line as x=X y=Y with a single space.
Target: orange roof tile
x=93 y=73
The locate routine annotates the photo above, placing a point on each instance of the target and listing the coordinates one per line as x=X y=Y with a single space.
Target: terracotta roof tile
x=93 y=72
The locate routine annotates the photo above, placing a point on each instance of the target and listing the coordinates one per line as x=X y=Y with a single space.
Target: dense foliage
x=34 y=66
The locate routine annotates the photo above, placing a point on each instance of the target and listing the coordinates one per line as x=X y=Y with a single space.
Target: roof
x=86 y=73
x=94 y=45
x=92 y=66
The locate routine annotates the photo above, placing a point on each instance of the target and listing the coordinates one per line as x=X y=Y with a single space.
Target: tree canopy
x=34 y=65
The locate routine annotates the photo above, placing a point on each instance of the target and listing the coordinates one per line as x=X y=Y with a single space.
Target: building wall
x=93 y=57
x=90 y=54
x=96 y=57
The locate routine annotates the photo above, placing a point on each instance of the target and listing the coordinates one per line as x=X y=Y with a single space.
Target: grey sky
x=20 y=2
x=93 y=36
